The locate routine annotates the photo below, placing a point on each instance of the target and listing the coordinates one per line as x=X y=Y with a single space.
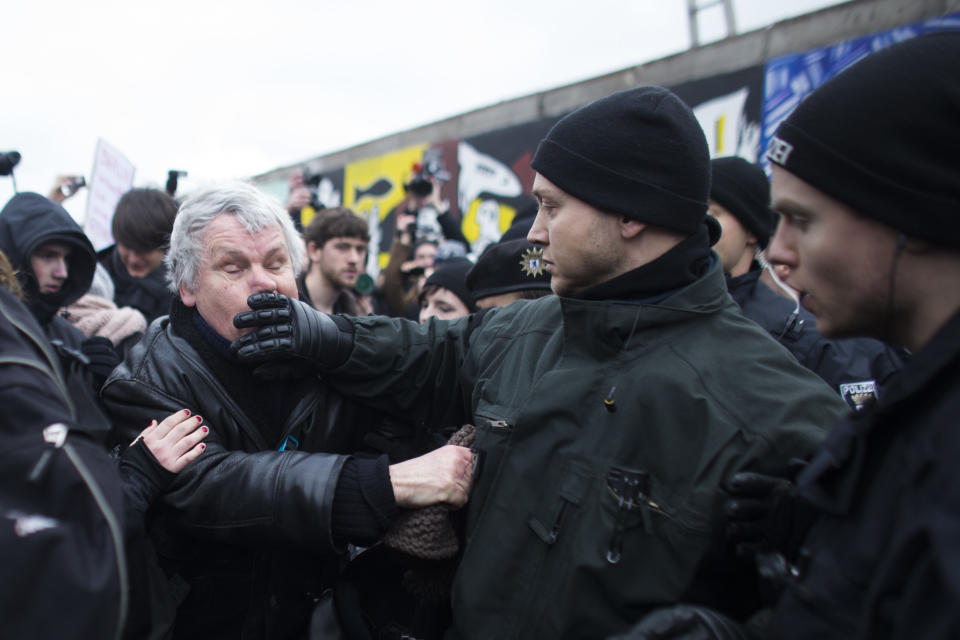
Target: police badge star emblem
x=858 y=394
x=531 y=261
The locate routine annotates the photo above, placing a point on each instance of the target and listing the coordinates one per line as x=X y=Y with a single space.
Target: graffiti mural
x=728 y=108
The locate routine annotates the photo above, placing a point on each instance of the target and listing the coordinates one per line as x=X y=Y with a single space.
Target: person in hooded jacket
x=73 y=517
x=55 y=262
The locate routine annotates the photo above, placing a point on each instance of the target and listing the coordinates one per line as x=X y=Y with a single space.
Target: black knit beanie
x=883 y=138
x=742 y=188
x=515 y=265
x=639 y=153
x=451 y=274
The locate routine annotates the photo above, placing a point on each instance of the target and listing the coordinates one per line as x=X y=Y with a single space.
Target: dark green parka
x=605 y=432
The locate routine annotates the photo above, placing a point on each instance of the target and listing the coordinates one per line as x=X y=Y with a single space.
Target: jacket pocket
x=573 y=486
x=635 y=502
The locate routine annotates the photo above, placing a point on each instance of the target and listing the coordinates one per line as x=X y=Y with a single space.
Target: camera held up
x=430 y=167
x=312 y=182
x=71 y=185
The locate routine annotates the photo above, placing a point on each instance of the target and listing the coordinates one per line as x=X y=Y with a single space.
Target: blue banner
x=788 y=79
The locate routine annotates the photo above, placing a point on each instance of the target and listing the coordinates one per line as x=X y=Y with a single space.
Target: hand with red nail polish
x=176 y=441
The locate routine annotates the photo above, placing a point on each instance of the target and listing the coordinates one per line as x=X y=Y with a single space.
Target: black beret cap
x=514 y=265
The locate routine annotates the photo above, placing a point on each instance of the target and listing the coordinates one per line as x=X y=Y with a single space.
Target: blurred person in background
x=337 y=241
x=445 y=295
x=141 y=228
x=410 y=263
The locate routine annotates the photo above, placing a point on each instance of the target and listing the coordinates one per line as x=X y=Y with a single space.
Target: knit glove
x=102 y=356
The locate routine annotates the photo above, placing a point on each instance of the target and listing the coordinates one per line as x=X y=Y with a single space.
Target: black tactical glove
x=684 y=622
x=287 y=332
x=763 y=513
x=103 y=358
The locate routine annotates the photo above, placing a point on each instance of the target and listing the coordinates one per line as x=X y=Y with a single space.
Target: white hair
x=251 y=207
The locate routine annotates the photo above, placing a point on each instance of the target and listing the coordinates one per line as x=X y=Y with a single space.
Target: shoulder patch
x=859 y=394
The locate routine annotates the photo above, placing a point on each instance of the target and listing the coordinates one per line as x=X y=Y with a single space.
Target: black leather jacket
x=247 y=526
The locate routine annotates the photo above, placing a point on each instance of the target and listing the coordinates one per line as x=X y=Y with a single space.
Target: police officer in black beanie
x=740 y=202
x=607 y=418
x=865 y=176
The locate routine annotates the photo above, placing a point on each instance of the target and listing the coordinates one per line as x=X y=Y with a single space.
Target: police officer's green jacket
x=604 y=432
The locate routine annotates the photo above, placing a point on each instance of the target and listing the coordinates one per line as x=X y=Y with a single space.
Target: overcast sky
x=232 y=89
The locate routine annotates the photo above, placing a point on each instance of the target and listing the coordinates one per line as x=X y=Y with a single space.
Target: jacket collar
x=680 y=266
x=832 y=479
x=925 y=365
x=612 y=322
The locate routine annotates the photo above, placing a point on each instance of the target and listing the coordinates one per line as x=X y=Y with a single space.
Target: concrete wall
x=850 y=20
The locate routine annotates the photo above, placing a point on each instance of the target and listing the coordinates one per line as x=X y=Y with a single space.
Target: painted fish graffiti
x=481 y=173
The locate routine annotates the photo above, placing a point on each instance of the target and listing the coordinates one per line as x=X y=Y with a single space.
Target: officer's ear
x=630 y=228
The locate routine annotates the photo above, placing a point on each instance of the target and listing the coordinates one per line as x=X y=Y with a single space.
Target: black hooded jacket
x=27 y=221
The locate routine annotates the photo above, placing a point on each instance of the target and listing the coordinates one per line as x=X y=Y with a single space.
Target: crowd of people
x=679 y=400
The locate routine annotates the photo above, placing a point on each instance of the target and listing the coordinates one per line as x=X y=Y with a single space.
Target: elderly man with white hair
x=255 y=528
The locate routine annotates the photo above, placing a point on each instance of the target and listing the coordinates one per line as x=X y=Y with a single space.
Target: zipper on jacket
x=549 y=535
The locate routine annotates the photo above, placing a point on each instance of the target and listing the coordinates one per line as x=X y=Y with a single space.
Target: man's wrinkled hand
x=443 y=476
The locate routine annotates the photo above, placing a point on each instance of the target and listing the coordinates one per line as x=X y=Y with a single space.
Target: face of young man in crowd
x=581 y=244
x=734 y=238
x=49 y=265
x=340 y=260
x=139 y=264
x=442 y=304
x=234 y=266
x=839 y=261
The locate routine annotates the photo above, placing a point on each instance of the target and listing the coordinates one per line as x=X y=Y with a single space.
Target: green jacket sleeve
x=409 y=370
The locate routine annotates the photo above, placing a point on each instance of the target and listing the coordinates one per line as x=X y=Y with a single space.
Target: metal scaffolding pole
x=693 y=10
